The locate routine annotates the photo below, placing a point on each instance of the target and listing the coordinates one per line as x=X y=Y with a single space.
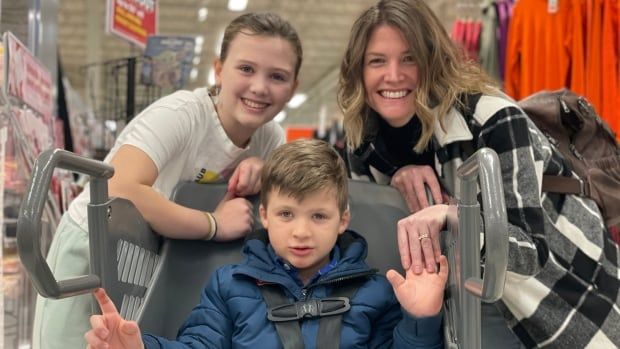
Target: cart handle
x=31 y=210
x=485 y=165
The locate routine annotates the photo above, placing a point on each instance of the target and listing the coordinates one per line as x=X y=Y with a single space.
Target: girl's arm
x=135 y=173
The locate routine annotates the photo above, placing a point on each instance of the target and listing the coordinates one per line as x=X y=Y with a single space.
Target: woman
x=414 y=110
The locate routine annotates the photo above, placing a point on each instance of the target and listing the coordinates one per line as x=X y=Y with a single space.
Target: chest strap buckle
x=311 y=308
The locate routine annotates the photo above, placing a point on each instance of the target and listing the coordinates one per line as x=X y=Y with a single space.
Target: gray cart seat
x=157 y=281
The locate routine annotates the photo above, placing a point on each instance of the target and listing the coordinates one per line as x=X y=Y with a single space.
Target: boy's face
x=303 y=233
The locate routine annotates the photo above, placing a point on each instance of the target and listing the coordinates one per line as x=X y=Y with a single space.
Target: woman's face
x=390 y=76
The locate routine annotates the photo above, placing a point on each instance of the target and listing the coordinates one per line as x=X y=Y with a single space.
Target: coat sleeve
x=414 y=332
x=209 y=325
x=521 y=154
x=394 y=328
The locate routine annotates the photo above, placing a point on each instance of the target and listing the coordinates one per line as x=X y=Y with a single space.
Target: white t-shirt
x=183 y=136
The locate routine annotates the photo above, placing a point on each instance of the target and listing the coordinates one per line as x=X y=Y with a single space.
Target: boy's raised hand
x=110 y=330
x=421 y=295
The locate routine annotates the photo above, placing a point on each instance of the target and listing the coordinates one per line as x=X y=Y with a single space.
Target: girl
x=204 y=136
x=414 y=110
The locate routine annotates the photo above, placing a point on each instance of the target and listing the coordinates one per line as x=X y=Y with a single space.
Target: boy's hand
x=245 y=180
x=421 y=295
x=110 y=330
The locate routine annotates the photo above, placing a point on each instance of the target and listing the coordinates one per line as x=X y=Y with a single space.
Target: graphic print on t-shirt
x=205 y=176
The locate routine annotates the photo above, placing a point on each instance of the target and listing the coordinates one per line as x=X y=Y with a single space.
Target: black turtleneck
x=400 y=141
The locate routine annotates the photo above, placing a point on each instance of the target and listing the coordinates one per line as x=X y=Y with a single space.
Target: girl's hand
x=410 y=181
x=110 y=330
x=245 y=180
x=418 y=238
x=421 y=295
x=234 y=218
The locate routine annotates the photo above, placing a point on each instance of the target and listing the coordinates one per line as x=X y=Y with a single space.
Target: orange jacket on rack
x=540 y=47
x=594 y=58
x=609 y=107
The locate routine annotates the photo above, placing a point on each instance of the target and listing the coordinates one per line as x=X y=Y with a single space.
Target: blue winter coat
x=232 y=313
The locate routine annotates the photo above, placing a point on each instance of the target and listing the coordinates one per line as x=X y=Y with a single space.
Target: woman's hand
x=245 y=180
x=420 y=295
x=110 y=330
x=410 y=181
x=234 y=217
x=418 y=238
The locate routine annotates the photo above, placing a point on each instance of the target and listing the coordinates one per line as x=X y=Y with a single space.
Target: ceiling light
x=280 y=116
x=110 y=125
x=193 y=75
x=200 y=40
x=196 y=60
x=202 y=14
x=237 y=5
x=297 y=100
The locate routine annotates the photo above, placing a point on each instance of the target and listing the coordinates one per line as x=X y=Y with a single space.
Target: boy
x=305 y=253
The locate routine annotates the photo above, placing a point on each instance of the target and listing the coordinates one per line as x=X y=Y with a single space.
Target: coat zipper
x=305 y=290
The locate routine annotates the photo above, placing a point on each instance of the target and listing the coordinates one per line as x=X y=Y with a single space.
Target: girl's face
x=390 y=76
x=257 y=79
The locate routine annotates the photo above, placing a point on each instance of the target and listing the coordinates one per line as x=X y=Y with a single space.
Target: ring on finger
x=423 y=236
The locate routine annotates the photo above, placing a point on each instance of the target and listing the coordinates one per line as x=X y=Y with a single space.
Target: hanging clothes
x=577 y=46
x=466 y=33
x=538 y=54
x=576 y=39
x=594 y=58
x=504 y=13
x=489 y=45
x=610 y=96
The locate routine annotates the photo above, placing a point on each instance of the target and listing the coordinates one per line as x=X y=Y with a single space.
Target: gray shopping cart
x=141 y=271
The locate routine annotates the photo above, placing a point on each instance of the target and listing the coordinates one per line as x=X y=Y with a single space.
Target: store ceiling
x=323 y=26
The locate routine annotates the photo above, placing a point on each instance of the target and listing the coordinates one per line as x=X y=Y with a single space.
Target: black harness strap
x=286 y=315
x=289 y=331
x=330 y=327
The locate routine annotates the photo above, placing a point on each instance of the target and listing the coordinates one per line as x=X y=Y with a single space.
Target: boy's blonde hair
x=443 y=72
x=304 y=167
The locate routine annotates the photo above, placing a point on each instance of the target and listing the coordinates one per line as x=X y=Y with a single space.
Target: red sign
x=132 y=20
x=28 y=80
x=299 y=132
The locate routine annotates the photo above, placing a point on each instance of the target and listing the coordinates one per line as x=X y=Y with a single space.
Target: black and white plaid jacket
x=562 y=288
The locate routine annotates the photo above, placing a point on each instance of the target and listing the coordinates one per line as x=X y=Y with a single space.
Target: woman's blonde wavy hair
x=443 y=72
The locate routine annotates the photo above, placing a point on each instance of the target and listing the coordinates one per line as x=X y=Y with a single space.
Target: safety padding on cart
x=136 y=266
x=127 y=257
